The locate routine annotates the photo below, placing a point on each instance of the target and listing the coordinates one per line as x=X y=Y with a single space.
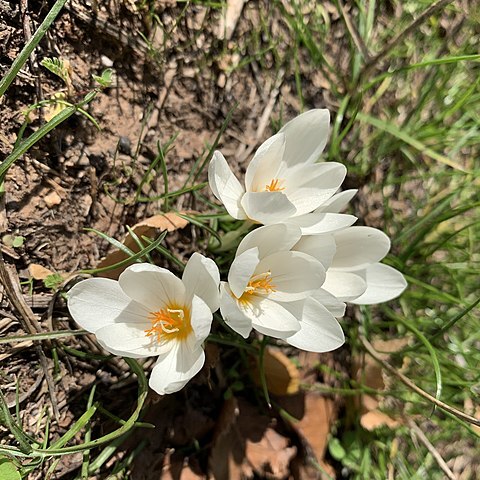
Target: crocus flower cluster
x=290 y=279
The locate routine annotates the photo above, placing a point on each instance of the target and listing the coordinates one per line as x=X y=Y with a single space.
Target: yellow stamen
x=275 y=185
x=258 y=284
x=169 y=323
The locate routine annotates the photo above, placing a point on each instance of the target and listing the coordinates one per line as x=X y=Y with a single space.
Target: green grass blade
x=29 y=47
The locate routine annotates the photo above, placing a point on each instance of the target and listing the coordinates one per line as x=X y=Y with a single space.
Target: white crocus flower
x=351 y=258
x=150 y=312
x=278 y=292
x=283 y=182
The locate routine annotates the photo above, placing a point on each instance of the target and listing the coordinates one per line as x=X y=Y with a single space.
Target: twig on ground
x=27 y=394
x=11 y=283
x=448 y=408
x=357 y=39
x=435 y=454
x=267 y=112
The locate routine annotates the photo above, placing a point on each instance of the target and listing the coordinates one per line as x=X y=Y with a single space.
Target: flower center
x=275 y=185
x=258 y=284
x=169 y=323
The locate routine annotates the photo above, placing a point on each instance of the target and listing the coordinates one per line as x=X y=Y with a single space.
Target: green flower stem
x=54 y=450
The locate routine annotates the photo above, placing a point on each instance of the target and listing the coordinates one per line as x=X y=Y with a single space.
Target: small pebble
x=106 y=62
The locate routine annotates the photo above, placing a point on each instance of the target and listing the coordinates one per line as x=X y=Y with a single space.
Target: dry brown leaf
x=272 y=450
x=281 y=374
x=38 y=272
x=246 y=444
x=176 y=469
x=315 y=415
x=372 y=375
x=228 y=450
x=375 y=419
x=169 y=221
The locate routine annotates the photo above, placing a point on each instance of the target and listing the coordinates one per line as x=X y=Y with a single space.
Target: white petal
x=383 y=284
x=321 y=247
x=201 y=278
x=306 y=136
x=265 y=164
x=225 y=186
x=129 y=340
x=270 y=239
x=267 y=207
x=310 y=186
x=201 y=319
x=152 y=286
x=97 y=302
x=345 y=286
x=338 y=202
x=317 y=223
x=294 y=275
x=271 y=318
x=330 y=302
x=241 y=270
x=358 y=247
x=233 y=315
x=174 y=369
x=319 y=331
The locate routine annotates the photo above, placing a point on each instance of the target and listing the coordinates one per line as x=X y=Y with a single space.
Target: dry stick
x=357 y=39
x=404 y=33
x=435 y=454
x=11 y=283
x=458 y=413
x=267 y=112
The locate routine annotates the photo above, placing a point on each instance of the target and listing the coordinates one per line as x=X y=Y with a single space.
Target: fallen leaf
x=375 y=419
x=178 y=469
x=55 y=107
x=313 y=416
x=38 y=272
x=169 y=221
x=271 y=451
x=228 y=450
x=281 y=374
x=245 y=444
x=372 y=375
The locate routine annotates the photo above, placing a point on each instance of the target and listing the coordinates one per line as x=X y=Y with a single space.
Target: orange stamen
x=169 y=323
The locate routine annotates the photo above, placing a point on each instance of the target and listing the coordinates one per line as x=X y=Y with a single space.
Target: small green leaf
x=8 y=471
x=336 y=450
x=105 y=79
x=14 y=241
x=18 y=241
x=53 y=281
x=57 y=67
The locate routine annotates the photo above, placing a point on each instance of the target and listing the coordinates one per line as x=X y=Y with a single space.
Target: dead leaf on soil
x=38 y=272
x=246 y=444
x=315 y=415
x=375 y=419
x=170 y=222
x=372 y=375
x=177 y=469
x=282 y=375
